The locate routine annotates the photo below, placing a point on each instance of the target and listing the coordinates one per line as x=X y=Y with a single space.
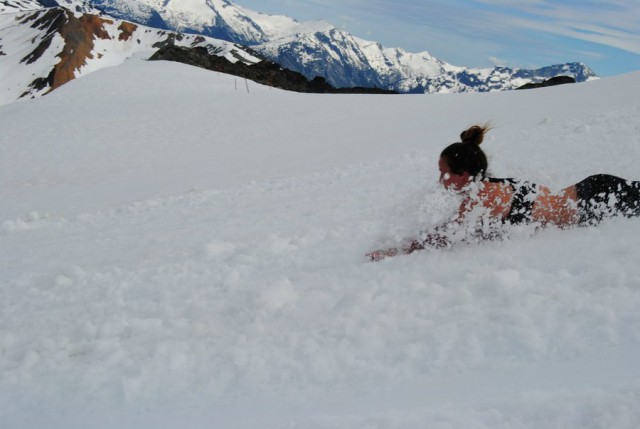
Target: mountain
x=264 y=72
x=497 y=79
x=37 y=55
x=42 y=49
x=319 y=49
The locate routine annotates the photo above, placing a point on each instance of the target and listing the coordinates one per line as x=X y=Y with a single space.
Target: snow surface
x=179 y=251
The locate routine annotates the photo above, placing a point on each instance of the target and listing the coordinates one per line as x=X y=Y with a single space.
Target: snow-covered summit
x=216 y=18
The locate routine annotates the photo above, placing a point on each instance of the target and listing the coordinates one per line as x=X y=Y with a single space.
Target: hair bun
x=474 y=135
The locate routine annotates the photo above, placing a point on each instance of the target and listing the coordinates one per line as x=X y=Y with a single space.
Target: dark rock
x=557 y=80
x=264 y=72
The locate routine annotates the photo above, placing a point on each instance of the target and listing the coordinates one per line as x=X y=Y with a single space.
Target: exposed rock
x=79 y=36
x=264 y=72
x=557 y=80
x=126 y=30
x=78 y=33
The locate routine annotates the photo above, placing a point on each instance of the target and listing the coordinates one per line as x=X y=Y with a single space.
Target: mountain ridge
x=48 y=47
x=45 y=48
x=318 y=48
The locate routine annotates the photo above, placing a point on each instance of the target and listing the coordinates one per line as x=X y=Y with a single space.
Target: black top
x=524 y=195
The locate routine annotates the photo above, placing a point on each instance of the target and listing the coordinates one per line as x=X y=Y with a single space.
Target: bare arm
x=492 y=198
x=433 y=240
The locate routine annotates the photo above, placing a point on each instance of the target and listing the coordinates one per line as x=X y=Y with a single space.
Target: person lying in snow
x=463 y=168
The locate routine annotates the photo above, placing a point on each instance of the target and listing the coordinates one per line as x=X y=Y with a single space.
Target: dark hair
x=466 y=156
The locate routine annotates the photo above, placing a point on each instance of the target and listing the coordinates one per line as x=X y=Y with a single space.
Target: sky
x=605 y=35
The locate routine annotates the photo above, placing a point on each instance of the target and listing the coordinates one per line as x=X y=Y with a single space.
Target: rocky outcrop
x=264 y=72
x=79 y=34
x=557 y=80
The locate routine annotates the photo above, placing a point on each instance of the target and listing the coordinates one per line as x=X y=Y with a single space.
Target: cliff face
x=79 y=35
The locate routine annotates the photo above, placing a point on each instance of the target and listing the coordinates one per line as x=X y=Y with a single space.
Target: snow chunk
x=219 y=247
x=279 y=294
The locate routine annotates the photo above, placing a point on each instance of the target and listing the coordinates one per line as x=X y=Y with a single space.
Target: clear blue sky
x=605 y=35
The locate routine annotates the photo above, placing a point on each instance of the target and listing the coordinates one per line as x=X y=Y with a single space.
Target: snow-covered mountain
x=482 y=80
x=43 y=48
x=345 y=60
x=319 y=49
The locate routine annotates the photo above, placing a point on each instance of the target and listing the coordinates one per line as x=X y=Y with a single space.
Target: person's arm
x=433 y=240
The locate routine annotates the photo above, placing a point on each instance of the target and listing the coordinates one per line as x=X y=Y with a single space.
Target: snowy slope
x=12 y=6
x=216 y=18
x=193 y=257
x=349 y=61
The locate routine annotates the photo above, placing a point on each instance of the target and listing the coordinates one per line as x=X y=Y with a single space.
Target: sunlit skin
x=555 y=209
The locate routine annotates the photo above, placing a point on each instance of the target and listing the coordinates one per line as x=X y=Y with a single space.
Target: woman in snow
x=463 y=169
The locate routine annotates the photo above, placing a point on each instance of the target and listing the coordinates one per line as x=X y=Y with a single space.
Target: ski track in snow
x=252 y=304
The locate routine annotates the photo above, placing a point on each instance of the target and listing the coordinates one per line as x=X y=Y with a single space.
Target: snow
x=12 y=6
x=199 y=14
x=280 y=26
x=178 y=251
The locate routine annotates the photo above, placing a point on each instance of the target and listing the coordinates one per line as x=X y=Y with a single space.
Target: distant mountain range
x=313 y=49
x=319 y=49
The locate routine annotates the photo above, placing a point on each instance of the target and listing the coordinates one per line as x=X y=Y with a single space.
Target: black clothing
x=524 y=195
x=598 y=197
x=602 y=195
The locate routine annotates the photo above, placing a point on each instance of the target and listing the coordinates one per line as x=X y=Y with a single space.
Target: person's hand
x=379 y=255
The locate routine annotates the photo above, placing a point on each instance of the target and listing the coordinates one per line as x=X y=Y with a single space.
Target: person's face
x=451 y=180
